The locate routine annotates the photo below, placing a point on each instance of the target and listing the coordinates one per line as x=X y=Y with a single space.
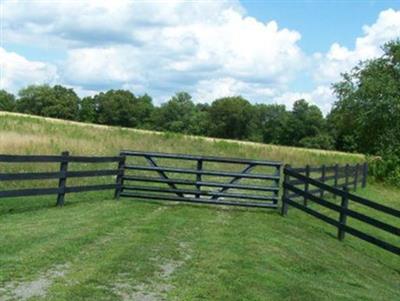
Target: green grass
x=109 y=249
x=96 y=248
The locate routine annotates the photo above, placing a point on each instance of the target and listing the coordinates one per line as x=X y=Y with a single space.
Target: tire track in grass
x=63 y=244
x=203 y=276
x=172 y=254
x=126 y=255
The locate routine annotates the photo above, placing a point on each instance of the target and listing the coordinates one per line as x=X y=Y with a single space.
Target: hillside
x=20 y=133
x=96 y=248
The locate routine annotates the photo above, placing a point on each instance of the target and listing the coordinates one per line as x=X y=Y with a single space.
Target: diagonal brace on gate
x=162 y=174
x=246 y=170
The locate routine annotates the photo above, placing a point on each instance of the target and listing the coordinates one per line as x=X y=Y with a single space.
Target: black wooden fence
x=349 y=176
x=167 y=186
x=62 y=175
x=293 y=177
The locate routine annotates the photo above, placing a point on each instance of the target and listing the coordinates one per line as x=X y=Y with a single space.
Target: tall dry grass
x=23 y=134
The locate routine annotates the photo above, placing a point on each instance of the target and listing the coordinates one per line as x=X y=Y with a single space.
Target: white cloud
x=340 y=59
x=17 y=71
x=209 y=48
x=174 y=45
x=321 y=96
x=208 y=90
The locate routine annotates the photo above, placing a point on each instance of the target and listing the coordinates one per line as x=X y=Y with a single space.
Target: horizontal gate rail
x=291 y=192
x=201 y=192
x=201 y=183
x=197 y=178
x=203 y=172
x=203 y=158
x=196 y=200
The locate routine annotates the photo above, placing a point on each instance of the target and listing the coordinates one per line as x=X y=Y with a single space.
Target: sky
x=266 y=51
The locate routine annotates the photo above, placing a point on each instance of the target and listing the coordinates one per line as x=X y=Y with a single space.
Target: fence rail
x=291 y=191
x=62 y=175
x=196 y=193
x=350 y=176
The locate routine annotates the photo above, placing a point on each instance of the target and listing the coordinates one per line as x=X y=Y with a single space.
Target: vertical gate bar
x=323 y=172
x=343 y=213
x=306 y=185
x=365 y=173
x=198 y=176
x=62 y=182
x=286 y=179
x=356 y=176
x=120 y=177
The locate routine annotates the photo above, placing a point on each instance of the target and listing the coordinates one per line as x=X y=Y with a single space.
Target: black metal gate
x=199 y=179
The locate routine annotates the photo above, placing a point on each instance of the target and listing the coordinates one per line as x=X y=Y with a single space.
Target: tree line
x=365 y=118
x=228 y=117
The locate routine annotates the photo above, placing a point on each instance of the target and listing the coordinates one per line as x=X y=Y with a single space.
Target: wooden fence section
x=349 y=176
x=166 y=186
x=62 y=175
x=290 y=190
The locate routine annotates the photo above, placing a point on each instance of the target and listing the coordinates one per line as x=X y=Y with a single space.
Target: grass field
x=96 y=248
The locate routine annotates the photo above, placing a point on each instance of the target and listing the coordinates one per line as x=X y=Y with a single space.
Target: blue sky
x=321 y=22
x=267 y=51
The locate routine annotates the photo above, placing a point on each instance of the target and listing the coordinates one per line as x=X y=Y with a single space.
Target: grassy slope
x=119 y=250
x=27 y=134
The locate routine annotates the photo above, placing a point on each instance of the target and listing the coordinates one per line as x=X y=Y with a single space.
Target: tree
x=177 y=115
x=143 y=109
x=57 y=101
x=116 y=107
x=268 y=123
x=304 y=120
x=7 y=101
x=88 y=110
x=230 y=117
x=366 y=117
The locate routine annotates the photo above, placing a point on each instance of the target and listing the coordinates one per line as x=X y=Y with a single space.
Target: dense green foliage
x=365 y=117
x=7 y=101
x=57 y=101
x=229 y=117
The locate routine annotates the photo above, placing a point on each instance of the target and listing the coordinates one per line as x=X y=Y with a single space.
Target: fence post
x=323 y=172
x=346 y=175
x=365 y=173
x=285 y=205
x=120 y=177
x=198 y=176
x=306 y=185
x=63 y=178
x=343 y=214
x=356 y=176
x=278 y=174
x=335 y=184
